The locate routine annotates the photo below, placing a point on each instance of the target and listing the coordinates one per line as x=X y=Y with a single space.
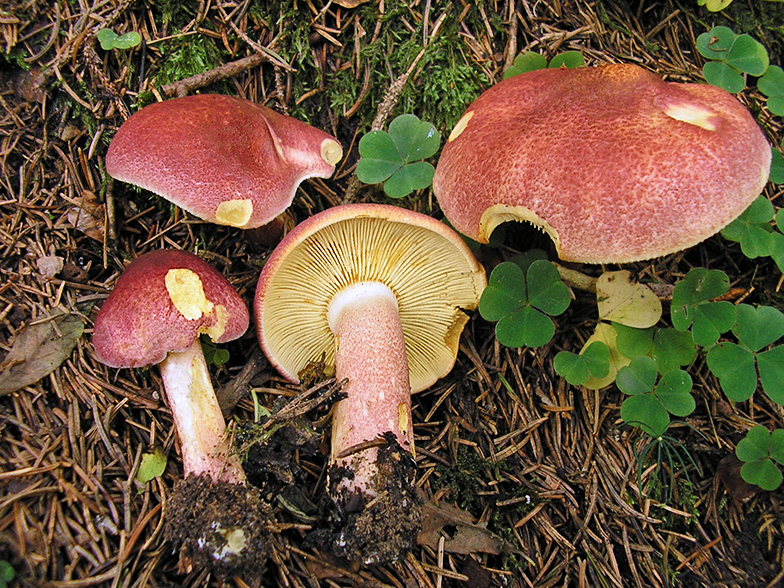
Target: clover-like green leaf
x=379 y=157
x=525 y=327
x=110 y=40
x=777 y=446
x=571 y=367
x=674 y=392
x=633 y=342
x=647 y=412
x=415 y=139
x=639 y=377
x=758 y=327
x=546 y=290
x=519 y=300
x=735 y=368
x=409 y=178
x=525 y=62
x=593 y=361
x=778 y=250
x=752 y=229
x=755 y=445
x=721 y=75
x=505 y=292
x=776 y=105
x=763 y=473
x=777 y=173
x=715 y=43
x=698 y=286
x=567 y=59
x=395 y=157
x=748 y=55
x=759 y=448
x=672 y=349
x=772 y=82
x=770 y=365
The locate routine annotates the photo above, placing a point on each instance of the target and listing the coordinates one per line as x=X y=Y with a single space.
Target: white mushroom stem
x=371 y=354
x=198 y=419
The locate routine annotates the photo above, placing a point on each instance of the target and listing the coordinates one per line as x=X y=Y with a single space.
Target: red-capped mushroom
x=224 y=159
x=614 y=163
x=380 y=293
x=160 y=305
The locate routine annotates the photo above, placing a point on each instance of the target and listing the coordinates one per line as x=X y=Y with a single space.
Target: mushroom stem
x=198 y=418
x=371 y=354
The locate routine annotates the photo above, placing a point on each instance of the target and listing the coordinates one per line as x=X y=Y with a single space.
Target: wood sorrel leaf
x=758 y=327
x=734 y=366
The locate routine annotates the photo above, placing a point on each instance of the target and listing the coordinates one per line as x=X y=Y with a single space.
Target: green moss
x=186 y=56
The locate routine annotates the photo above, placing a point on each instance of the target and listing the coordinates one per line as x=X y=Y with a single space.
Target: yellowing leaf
x=152 y=465
x=38 y=350
x=607 y=335
x=620 y=301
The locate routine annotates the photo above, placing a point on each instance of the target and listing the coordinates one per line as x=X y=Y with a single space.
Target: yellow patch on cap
x=692 y=114
x=460 y=126
x=187 y=293
x=234 y=213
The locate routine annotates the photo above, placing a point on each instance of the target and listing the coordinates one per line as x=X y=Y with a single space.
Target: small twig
x=184 y=86
x=232 y=393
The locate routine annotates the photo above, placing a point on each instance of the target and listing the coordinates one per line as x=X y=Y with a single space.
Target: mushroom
x=160 y=305
x=225 y=160
x=613 y=163
x=380 y=293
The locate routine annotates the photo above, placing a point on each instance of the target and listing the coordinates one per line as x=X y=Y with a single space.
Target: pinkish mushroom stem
x=371 y=355
x=198 y=418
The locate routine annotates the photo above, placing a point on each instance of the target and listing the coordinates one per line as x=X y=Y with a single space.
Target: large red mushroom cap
x=161 y=303
x=226 y=160
x=614 y=163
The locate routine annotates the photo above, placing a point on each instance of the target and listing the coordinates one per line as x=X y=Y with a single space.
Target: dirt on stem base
x=219 y=526
x=380 y=529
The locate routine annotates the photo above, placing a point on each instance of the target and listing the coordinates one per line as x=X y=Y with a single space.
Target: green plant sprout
x=736 y=364
x=730 y=57
x=110 y=40
x=519 y=295
x=7 y=573
x=649 y=404
x=530 y=61
x=674 y=450
x=759 y=449
x=692 y=306
x=577 y=369
x=213 y=354
x=395 y=157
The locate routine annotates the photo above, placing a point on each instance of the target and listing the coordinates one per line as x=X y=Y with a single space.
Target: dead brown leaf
x=39 y=350
x=462 y=535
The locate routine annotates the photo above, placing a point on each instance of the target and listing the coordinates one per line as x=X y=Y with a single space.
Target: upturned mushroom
x=160 y=305
x=224 y=159
x=380 y=293
x=613 y=163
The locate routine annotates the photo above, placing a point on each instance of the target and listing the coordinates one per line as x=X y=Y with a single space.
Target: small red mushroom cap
x=614 y=163
x=225 y=160
x=161 y=303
